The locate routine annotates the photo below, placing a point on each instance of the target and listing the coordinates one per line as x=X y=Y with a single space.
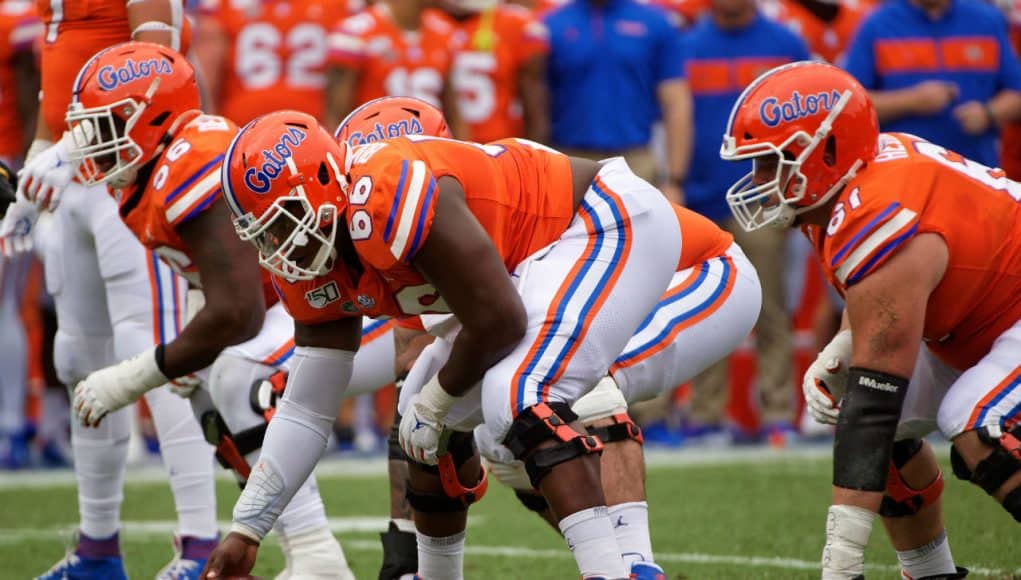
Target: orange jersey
x=74 y=31
x=520 y=192
x=391 y=61
x=917 y=187
x=827 y=40
x=20 y=28
x=701 y=238
x=491 y=48
x=276 y=54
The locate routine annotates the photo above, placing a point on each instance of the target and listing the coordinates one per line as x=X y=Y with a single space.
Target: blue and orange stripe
x=281 y=354
x=993 y=398
x=200 y=173
x=566 y=293
x=868 y=229
x=890 y=246
x=157 y=298
x=686 y=319
x=398 y=196
x=376 y=329
x=423 y=211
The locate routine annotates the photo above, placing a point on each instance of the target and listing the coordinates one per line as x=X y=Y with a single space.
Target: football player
x=710 y=306
x=135 y=122
x=932 y=316
x=576 y=237
x=109 y=301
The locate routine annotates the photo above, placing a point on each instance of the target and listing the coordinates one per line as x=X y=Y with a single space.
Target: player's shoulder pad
x=392 y=200
x=869 y=224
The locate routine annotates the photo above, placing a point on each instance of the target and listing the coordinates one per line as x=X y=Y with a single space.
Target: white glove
x=115 y=387
x=826 y=379
x=422 y=422
x=16 y=228
x=47 y=173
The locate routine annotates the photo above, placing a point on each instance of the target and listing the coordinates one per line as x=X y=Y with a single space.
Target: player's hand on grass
x=233 y=557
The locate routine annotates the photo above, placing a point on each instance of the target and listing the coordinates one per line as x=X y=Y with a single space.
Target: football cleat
x=76 y=567
x=647 y=571
x=186 y=565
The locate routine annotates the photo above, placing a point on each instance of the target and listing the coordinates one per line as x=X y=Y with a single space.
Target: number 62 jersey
x=915 y=187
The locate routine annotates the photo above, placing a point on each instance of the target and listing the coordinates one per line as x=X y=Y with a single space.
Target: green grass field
x=754 y=514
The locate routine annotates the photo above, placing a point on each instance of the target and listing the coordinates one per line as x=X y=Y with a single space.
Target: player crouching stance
x=135 y=125
x=412 y=226
x=924 y=246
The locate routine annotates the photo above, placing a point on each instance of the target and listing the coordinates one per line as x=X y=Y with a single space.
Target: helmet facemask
x=104 y=151
x=776 y=202
x=286 y=233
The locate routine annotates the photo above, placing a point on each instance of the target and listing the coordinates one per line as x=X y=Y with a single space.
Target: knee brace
x=231 y=448
x=866 y=429
x=623 y=429
x=266 y=392
x=456 y=497
x=548 y=422
x=394 y=451
x=532 y=500
x=900 y=499
x=993 y=471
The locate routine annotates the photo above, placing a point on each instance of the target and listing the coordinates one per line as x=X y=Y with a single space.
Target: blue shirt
x=605 y=64
x=718 y=65
x=898 y=47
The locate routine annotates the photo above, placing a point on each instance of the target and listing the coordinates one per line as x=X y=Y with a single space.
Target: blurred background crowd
x=652 y=80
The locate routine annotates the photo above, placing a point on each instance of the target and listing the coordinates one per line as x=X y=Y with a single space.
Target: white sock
x=315 y=553
x=589 y=535
x=100 y=455
x=441 y=558
x=188 y=459
x=631 y=527
x=928 y=560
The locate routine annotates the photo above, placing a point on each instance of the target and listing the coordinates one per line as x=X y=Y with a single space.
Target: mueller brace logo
x=110 y=77
x=259 y=180
x=773 y=111
x=877 y=385
x=389 y=131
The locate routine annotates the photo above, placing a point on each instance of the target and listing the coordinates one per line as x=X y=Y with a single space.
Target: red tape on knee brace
x=277 y=383
x=452 y=485
x=902 y=500
x=623 y=429
x=231 y=458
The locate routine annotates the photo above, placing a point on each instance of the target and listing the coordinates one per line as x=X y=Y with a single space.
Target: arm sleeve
x=296 y=438
x=346 y=45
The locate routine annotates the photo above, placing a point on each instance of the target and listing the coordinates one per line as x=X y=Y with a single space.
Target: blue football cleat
x=647 y=571
x=76 y=567
x=185 y=566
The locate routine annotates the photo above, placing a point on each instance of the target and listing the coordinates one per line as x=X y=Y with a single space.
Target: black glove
x=8 y=185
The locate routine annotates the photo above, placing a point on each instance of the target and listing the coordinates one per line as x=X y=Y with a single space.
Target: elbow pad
x=173 y=27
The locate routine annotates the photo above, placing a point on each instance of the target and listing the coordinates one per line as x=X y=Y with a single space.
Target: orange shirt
x=701 y=238
x=491 y=48
x=391 y=61
x=520 y=192
x=20 y=28
x=276 y=54
x=76 y=30
x=827 y=40
x=916 y=187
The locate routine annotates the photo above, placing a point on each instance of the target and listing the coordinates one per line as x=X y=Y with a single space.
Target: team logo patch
x=773 y=111
x=365 y=302
x=258 y=179
x=110 y=77
x=323 y=296
x=410 y=126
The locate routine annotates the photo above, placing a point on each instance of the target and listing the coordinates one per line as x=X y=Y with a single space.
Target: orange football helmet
x=125 y=101
x=282 y=179
x=389 y=117
x=814 y=123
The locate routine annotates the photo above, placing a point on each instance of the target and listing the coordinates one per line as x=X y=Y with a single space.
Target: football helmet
x=125 y=101
x=282 y=179
x=809 y=123
x=389 y=117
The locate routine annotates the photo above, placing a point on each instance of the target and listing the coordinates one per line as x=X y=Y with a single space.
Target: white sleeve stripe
x=197 y=192
x=412 y=195
x=345 y=43
x=876 y=239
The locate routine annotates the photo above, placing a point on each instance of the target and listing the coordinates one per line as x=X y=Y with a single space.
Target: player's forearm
x=677 y=120
x=295 y=439
x=1005 y=107
x=27 y=82
x=213 y=329
x=477 y=349
x=535 y=100
x=157 y=21
x=893 y=105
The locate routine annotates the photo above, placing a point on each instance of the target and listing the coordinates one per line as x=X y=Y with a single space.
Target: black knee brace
x=866 y=429
x=231 y=448
x=900 y=499
x=623 y=429
x=997 y=468
x=532 y=500
x=456 y=497
x=394 y=451
x=548 y=422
